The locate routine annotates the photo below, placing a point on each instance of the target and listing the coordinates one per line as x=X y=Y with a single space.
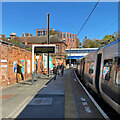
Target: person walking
x=62 y=68
x=58 y=69
x=54 y=72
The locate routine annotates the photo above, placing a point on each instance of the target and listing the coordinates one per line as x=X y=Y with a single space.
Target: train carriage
x=109 y=84
x=100 y=71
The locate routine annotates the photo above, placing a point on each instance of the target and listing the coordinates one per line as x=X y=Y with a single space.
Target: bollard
x=33 y=78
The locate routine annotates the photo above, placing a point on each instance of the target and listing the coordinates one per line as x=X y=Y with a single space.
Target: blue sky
x=25 y=17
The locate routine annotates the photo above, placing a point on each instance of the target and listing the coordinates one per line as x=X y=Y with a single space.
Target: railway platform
x=64 y=97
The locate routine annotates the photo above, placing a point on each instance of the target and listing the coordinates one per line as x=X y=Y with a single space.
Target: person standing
x=62 y=68
x=58 y=69
x=54 y=72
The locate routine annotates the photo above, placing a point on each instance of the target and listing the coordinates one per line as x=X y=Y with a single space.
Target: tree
x=87 y=43
x=78 y=43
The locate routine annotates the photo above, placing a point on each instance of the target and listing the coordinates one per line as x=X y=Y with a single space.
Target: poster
x=14 y=66
x=28 y=66
x=23 y=66
x=105 y=70
x=45 y=62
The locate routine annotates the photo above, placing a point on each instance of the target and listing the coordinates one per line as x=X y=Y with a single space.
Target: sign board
x=37 y=57
x=4 y=66
x=15 y=66
x=23 y=66
x=45 y=62
x=3 y=60
x=44 y=49
x=28 y=66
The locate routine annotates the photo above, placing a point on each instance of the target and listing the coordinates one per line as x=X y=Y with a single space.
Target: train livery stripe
x=98 y=107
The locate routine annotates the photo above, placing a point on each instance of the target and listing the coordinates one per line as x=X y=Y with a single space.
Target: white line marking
x=98 y=107
x=84 y=103
x=82 y=99
x=75 y=80
x=87 y=109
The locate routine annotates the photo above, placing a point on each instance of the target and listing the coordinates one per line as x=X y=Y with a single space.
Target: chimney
x=25 y=43
x=23 y=34
x=13 y=35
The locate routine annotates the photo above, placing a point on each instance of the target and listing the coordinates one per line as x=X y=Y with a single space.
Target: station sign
x=44 y=49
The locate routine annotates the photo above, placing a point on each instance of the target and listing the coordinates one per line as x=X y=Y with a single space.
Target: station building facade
x=78 y=53
x=68 y=38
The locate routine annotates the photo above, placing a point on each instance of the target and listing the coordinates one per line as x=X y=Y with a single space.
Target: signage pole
x=32 y=64
x=48 y=43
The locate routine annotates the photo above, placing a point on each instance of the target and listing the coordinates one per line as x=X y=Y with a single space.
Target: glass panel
x=106 y=73
x=63 y=35
x=108 y=62
x=118 y=77
x=57 y=48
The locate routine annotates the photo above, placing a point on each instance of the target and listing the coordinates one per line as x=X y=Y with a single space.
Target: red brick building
x=9 y=58
x=68 y=38
x=59 y=54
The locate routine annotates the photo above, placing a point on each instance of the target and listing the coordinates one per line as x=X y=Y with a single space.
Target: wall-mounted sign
x=3 y=60
x=14 y=66
x=28 y=66
x=23 y=66
x=37 y=57
x=3 y=66
x=44 y=49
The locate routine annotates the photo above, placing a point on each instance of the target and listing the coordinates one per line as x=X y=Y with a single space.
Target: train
x=100 y=71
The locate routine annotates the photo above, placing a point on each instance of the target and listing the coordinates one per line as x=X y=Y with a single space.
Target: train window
x=118 y=76
x=91 y=70
x=106 y=73
x=108 y=62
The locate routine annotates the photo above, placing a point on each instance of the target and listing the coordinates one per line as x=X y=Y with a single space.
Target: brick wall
x=9 y=55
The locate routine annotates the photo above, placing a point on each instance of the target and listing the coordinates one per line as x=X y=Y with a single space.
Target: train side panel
x=110 y=75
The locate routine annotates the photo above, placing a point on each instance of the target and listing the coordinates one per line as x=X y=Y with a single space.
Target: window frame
x=118 y=67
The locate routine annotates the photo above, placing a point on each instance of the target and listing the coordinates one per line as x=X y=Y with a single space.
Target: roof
x=83 y=49
x=116 y=41
x=39 y=39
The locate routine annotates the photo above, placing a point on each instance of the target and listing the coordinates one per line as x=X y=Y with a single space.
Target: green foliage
x=78 y=43
x=87 y=43
x=30 y=48
x=15 y=42
x=53 y=32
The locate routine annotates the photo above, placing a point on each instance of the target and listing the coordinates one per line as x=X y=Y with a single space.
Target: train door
x=97 y=74
x=83 y=66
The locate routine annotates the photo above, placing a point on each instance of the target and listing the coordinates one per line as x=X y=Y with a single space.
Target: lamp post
x=48 y=43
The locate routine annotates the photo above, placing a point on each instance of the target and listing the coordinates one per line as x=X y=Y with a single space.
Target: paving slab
x=49 y=102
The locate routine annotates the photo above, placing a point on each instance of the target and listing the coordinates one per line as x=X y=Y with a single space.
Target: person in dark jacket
x=62 y=68
x=54 y=72
x=58 y=69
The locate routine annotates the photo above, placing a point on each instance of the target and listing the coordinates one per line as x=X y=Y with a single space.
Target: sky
x=26 y=17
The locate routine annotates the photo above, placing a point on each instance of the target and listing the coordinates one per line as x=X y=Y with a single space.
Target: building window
x=63 y=39
x=63 y=35
x=70 y=35
x=43 y=33
x=68 y=40
x=67 y=35
x=57 y=48
x=38 y=33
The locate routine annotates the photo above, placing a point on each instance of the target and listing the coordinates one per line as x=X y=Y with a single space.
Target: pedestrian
x=19 y=70
x=62 y=68
x=58 y=69
x=54 y=71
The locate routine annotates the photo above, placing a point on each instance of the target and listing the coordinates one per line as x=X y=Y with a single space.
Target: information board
x=44 y=49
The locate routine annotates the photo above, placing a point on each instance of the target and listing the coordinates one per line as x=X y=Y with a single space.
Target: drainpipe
x=7 y=63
